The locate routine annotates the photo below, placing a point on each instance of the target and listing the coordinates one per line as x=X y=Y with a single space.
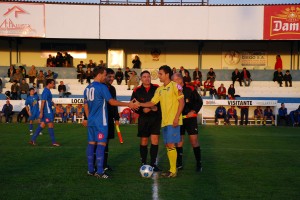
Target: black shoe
x=107 y=168
x=103 y=175
x=155 y=168
x=198 y=167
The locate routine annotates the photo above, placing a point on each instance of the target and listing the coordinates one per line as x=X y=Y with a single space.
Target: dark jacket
x=248 y=74
x=192 y=100
x=7 y=109
x=62 y=87
x=277 y=76
x=235 y=76
x=195 y=73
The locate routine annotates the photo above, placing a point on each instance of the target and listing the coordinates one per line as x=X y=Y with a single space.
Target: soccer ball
x=124 y=120
x=146 y=171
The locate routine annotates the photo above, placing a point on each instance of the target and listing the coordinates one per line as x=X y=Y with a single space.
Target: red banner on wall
x=282 y=22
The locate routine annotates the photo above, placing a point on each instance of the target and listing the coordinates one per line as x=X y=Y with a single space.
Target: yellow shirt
x=168 y=97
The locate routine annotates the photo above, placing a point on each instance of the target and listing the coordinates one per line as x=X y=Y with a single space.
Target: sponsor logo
x=100 y=136
x=240 y=103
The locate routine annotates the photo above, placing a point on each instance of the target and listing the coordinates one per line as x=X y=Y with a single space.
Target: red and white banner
x=23 y=20
x=282 y=22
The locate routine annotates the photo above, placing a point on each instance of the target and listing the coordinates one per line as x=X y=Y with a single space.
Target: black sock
x=105 y=156
x=179 y=155
x=153 y=154
x=197 y=153
x=143 y=153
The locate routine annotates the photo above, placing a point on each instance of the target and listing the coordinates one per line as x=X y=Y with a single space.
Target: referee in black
x=149 y=121
x=193 y=104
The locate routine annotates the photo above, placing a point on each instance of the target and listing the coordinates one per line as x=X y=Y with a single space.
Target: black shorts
x=190 y=126
x=149 y=125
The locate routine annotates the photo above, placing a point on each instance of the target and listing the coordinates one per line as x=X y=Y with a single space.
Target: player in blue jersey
x=46 y=114
x=32 y=108
x=96 y=95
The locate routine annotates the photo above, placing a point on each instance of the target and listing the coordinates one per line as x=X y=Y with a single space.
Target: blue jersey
x=47 y=96
x=32 y=102
x=95 y=96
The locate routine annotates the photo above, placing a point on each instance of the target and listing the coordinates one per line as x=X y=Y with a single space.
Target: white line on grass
x=155 y=184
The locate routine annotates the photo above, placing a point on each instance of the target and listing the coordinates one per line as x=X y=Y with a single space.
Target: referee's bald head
x=178 y=75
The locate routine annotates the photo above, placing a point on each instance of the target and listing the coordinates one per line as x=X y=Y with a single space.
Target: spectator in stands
x=32 y=74
x=11 y=72
x=222 y=92
x=69 y=113
x=91 y=64
x=40 y=79
x=21 y=115
x=295 y=117
x=81 y=64
x=79 y=111
x=136 y=62
x=17 y=76
x=89 y=75
x=246 y=77
x=23 y=71
x=7 y=111
x=282 y=115
x=231 y=90
x=231 y=113
x=211 y=75
x=59 y=60
x=174 y=70
x=0 y=85
x=59 y=111
x=102 y=64
x=213 y=92
x=62 y=89
x=278 y=76
x=15 y=90
x=207 y=86
x=197 y=75
x=268 y=114
x=80 y=74
x=258 y=115
x=278 y=64
x=127 y=70
x=119 y=76
x=68 y=60
x=244 y=115
x=220 y=114
x=181 y=71
x=133 y=80
x=50 y=61
x=287 y=78
x=236 y=76
x=230 y=97
x=24 y=88
x=186 y=78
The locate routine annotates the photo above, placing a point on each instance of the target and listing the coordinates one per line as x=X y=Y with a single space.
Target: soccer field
x=238 y=163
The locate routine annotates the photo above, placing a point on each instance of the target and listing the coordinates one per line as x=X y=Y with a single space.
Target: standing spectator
x=17 y=76
x=222 y=92
x=21 y=115
x=207 y=86
x=59 y=60
x=231 y=90
x=211 y=75
x=40 y=79
x=220 y=114
x=50 y=61
x=258 y=115
x=236 y=76
x=136 y=63
x=231 y=113
x=287 y=78
x=213 y=92
x=102 y=64
x=68 y=60
x=133 y=80
x=186 y=78
x=197 y=75
x=91 y=64
x=11 y=72
x=62 y=89
x=89 y=75
x=7 y=111
x=268 y=114
x=80 y=74
x=119 y=76
x=24 y=88
x=246 y=77
x=244 y=115
x=282 y=114
x=15 y=90
x=278 y=64
x=181 y=70
x=127 y=70
x=32 y=74
x=174 y=70
x=278 y=76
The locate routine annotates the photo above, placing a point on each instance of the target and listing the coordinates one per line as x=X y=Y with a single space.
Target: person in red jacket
x=208 y=84
x=278 y=63
x=222 y=92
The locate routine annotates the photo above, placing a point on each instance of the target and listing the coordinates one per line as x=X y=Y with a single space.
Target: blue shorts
x=48 y=118
x=34 y=115
x=171 y=134
x=97 y=134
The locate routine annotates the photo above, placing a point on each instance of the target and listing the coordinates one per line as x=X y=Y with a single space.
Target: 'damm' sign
x=282 y=22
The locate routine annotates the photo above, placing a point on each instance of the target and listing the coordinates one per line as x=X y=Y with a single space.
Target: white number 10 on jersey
x=90 y=93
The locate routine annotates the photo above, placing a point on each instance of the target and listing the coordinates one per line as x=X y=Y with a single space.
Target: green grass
x=239 y=163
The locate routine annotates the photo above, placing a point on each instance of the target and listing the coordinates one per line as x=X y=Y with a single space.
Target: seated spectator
x=268 y=114
x=80 y=74
x=231 y=90
x=69 y=113
x=24 y=88
x=7 y=111
x=222 y=92
x=136 y=63
x=287 y=78
x=62 y=89
x=32 y=74
x=81 y=64
x=211 y=75
x=119 y=76
x=11 y=72
x=231 y=113
x=40 y=79
x=79 y=111
x=258 y=115
x=89 y=75
x=236 y=76
x=91 y=64
x=278 y=76
x=208 y=84
x=282 y=115
x=17 y=76
x=174 y=70
x=230 y=97
x=246 y=77
x=22 y=114
x=49 y=75
x=295 y=117
x=59 y=111
x=102 y=64
x=220 y=114
x=133 y=80
x=213 y=92
x=197 y=75
x=15 y=90
x=186 y=78
x=127 y=70
x=23 y=71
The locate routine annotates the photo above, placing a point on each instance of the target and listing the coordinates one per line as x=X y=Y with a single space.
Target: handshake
x=135 y=105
